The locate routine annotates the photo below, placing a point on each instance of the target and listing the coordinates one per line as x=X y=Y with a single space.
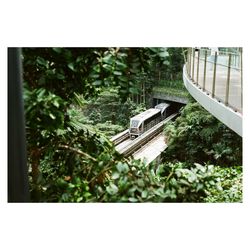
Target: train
x=147 y=119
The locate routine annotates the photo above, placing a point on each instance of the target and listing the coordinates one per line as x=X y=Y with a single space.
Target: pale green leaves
x=112 y=189
x=122 y=167
x=57 y=50
x=42 y=61
x=71 y=66
x=163 y=54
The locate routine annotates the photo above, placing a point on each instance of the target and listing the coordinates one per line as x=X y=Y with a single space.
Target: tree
x=53 y=78
x=197 y=136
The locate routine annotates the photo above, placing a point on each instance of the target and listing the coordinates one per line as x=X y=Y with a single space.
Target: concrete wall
x=161 y=96
x=223 y=113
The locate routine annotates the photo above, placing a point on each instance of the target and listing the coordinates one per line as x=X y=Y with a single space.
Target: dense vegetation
x=197 y=136
x=108 y=113
x=75 y=98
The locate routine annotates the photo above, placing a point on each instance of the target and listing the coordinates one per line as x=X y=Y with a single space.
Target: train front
x=134 y=128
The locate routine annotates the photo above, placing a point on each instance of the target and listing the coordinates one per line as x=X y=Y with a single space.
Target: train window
x=134 y=123
x=140 y=128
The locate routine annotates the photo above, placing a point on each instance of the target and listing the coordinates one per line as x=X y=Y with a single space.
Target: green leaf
x=140 y=183
x=42 y=61
x=56 y=103
x=97 y=82
x=117 y=73
x=163 y=54
x=115 y=175
x=71 y=66
x=192 y=177
x=121 y=65
x=57 y=50
x=107 y=67
x=60 y=76
x=122 y=167
x=97 y=68
x=107 y=59
x=155 y=50
x=79 y=199
x=144 y=194
x=40 y=96
x=132 y=199
x=79 y=58
x=52 y=116
x=87 y=195
x=112 y=189
x=166 y=62
x=123 y=78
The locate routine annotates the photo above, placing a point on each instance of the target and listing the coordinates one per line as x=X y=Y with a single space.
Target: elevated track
x=151 y=150
x=127 y=147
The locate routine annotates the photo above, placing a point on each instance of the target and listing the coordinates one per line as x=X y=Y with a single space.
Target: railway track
x=126 y=146
x=119 y=138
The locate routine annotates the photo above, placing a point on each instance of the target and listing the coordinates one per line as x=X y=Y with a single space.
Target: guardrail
x=144 y=138
x=218 y=73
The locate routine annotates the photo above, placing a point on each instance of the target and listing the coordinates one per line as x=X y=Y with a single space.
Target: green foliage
x=109 y=129
x=179 y=182
x=176 y=84
x=80 y=165
x=197 y=136
x=110 y=111
x=75 y=98
x=203 y=183
x=170 y=69
x=44 y=115
x=230 y=182
x=75 y=154
x=65 y=71
x=171 y=92
x=176 y=62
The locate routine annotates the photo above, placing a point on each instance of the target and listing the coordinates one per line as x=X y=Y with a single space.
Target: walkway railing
x=217 y=73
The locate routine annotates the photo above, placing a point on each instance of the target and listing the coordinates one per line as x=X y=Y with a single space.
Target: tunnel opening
x=175 y=106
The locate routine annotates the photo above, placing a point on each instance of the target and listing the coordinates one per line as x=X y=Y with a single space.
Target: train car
x=144 y=121
x=165 y=109
x=147 y=119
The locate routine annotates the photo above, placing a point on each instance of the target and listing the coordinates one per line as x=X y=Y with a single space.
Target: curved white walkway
x=225 y=114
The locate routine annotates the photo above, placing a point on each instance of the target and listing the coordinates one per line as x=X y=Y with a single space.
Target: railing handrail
x=226 y=66
x=197 y=60
x=221 y=51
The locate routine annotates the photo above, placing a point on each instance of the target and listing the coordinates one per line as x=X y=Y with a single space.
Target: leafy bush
x=134 y=182
x=231 y=184
x=109 y=108
x=109 y=129
x=64 y=71
x=197 y=136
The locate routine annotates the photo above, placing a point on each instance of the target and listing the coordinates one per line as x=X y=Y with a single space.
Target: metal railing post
x=205 y=68
x=228 y=80
x=193 y=52
x=190 y=60
x=198 y=62
x=214 y=76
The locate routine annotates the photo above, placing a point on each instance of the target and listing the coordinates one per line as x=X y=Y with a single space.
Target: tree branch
x=78 y=151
